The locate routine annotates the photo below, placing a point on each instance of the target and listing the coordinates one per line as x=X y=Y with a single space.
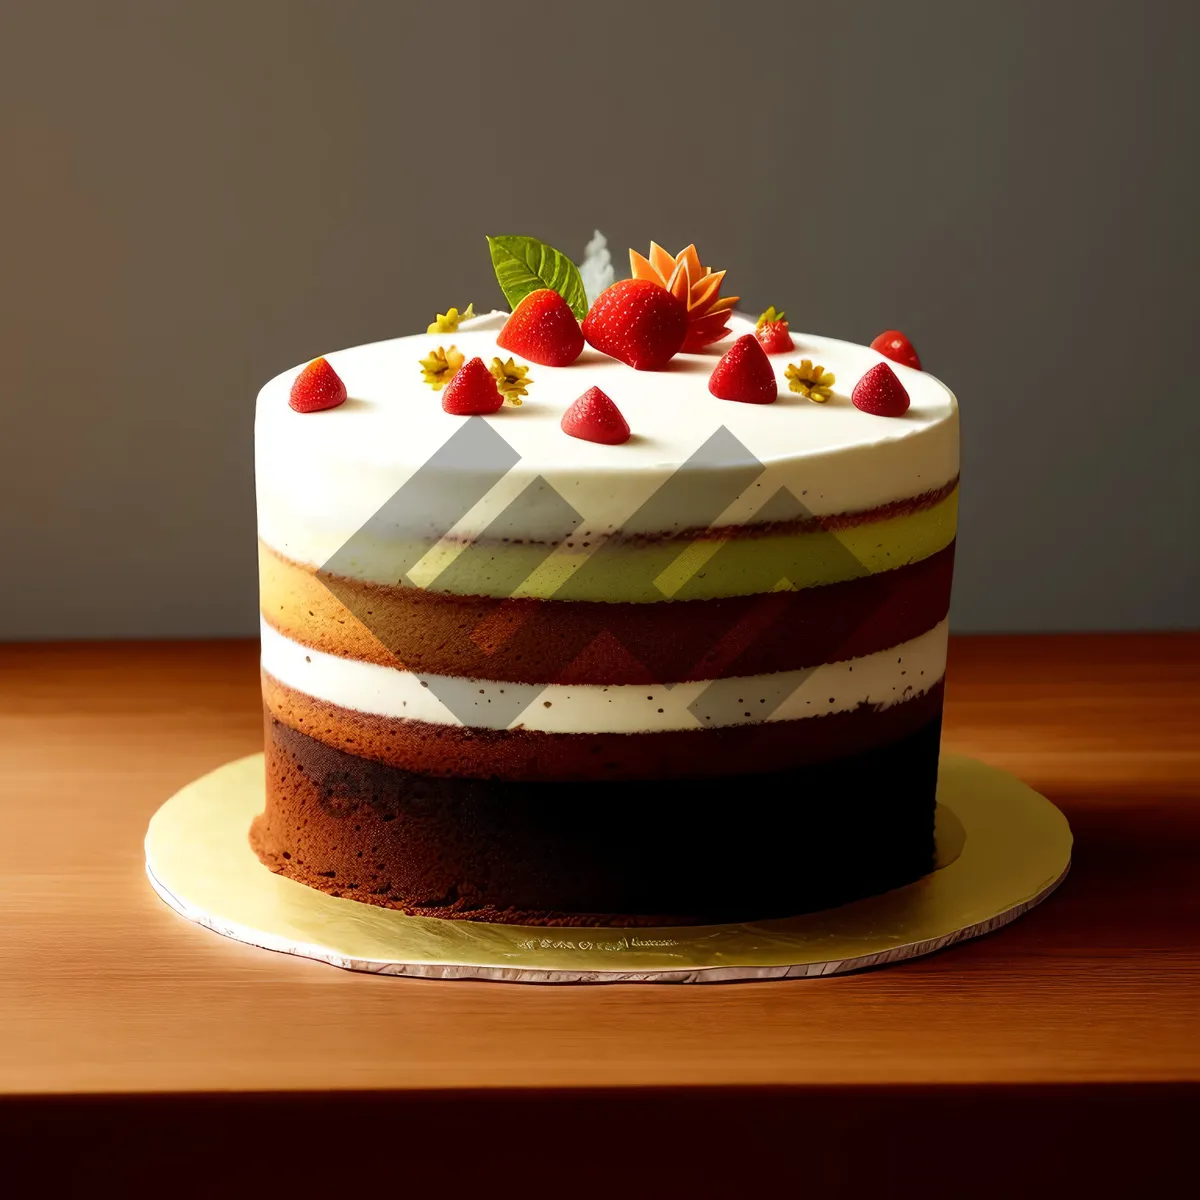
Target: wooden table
x=1063 y=1049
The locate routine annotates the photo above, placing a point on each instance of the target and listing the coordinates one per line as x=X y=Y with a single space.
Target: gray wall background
x=196 y=196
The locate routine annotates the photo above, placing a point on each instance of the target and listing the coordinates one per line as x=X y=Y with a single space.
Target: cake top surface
x=834 y=457
x=370 y=419
x=392 y=416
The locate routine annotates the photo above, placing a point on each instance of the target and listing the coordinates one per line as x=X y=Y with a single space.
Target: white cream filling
x=879 y=680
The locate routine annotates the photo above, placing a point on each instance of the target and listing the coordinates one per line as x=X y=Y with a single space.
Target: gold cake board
x=1002 y=849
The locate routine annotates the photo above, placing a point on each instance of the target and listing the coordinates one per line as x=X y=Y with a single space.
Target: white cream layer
x=879 y=680
x=320 y=476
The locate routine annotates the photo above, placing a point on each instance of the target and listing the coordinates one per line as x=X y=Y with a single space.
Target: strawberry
x=595 y=418
x=772 y=332
x=891 y=343
x=316 y=387
x=774 y=338
x=472 y=390
x=880 y=392
x=744 y=373
x=543 y=329
x=638 y=322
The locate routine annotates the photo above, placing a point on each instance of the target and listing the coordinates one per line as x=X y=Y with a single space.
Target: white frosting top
x=320 y=476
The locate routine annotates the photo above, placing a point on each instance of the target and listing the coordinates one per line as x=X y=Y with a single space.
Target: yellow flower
x=812 y=381
x=448 y=322
x=769 y=317
x=510 y=379
x=441 y=366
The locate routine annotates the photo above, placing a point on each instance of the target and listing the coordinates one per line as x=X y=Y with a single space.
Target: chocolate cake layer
x=547 y=641
x=522 y=754
x=770 y=843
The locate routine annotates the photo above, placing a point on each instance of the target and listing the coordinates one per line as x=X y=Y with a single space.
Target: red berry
x=317 y=386
x=638 y=322
x=891 y=343
x=543 y=329
x=472 y=390
x=880 y=392
x=744 y=373
x=774 y=338
x=595 y=418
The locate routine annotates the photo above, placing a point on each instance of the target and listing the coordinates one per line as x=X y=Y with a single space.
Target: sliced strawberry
x=638 y=322
x=595 y=418
x=317 y=387
x=891 y=343
x=880 y=392
x=472 y=390
x=774 y=338
x=744 y=373
x=543 y=329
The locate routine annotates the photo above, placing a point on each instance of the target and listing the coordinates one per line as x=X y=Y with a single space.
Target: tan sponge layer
x=549 y=641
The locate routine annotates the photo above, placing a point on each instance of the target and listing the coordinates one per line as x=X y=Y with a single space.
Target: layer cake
x=511 y=675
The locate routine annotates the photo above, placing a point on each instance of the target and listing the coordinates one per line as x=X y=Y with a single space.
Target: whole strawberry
x=595 y=418
x=744 y=373
x=543 y=329
x=638 y=322
x=317 y=387
x=472 y=390
x=891 y=343
x=880 y=392
x=772 y=332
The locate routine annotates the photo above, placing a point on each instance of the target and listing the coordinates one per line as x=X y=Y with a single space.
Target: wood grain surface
x=104 y=989
x=136 y=1047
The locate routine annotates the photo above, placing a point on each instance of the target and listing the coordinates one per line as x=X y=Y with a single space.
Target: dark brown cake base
x=640 y=852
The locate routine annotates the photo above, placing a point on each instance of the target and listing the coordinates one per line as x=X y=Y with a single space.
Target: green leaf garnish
x=523 y=265
x=769 y=316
